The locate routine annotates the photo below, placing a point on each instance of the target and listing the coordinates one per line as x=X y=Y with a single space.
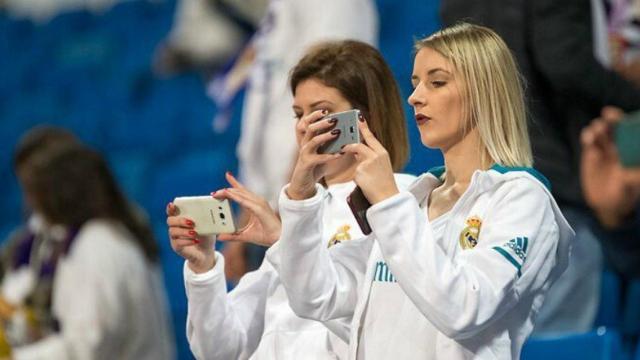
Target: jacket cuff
x=192 y=278
x=310 y=204
x=376 y=213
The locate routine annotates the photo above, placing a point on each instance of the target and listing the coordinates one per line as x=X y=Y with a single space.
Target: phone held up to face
x=211 y=216
x=349 y=133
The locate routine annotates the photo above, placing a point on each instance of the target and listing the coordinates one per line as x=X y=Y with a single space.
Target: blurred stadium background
x=91 y=73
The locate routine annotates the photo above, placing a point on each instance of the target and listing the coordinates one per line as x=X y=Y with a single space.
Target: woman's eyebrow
x=435 y=70
x=320 y=102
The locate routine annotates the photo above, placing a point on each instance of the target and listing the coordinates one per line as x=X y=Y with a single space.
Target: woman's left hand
x=374 y=173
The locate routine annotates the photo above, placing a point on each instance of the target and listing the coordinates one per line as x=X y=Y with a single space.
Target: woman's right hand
x=198 y=251
x=309 y=168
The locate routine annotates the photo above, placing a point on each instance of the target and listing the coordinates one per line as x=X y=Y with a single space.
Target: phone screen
x=627 y=139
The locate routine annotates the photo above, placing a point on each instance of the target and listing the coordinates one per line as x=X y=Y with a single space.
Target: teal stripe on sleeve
x=508 y=257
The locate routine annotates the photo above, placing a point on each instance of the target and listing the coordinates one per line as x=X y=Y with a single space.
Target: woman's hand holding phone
x=198 y=251
x=314 y=131
x=263 y=227
x=610 y=189
x=374 y=174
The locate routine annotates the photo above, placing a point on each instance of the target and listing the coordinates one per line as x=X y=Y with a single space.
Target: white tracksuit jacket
x=255 y=320
x=411 y=289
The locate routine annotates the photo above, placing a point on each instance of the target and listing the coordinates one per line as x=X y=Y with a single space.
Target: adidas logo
x=519 y=246
x=382 y=273
x=516 y=246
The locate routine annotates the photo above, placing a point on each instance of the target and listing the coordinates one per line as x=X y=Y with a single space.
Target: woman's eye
x=438 y=83
x=297 y=116
x=316 y=109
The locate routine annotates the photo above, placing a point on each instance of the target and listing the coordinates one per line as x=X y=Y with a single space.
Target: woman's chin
x=430 y=142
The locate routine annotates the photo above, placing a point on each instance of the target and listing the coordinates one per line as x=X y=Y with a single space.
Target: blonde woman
x=459 y=264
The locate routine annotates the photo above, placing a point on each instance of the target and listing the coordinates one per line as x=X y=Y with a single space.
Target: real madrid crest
x=340 y=236
x=469 y=235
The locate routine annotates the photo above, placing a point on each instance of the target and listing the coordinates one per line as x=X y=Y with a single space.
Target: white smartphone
x=212 y=216
x=349 y=133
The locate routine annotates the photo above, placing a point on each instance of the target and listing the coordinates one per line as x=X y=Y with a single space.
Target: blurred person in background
x=566 y=88
x=206 y=34
x=613 y=192
x=18 y=279
x=91 y=264
x=616 y=37
x=254 y=320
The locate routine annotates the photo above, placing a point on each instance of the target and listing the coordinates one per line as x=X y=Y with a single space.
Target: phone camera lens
x=221 y=216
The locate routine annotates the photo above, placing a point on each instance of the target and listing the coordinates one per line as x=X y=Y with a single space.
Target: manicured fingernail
x=335 y=132
x=196 y=241
x=229 y=173
x=190 y=223
x=333 y=121
x=191 y=232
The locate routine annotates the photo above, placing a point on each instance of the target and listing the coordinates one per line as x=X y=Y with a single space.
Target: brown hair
x=39 y=139
x=362 y=76
x=71 y=184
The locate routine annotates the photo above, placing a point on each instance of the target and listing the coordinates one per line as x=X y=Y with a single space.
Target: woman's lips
x=422 y=119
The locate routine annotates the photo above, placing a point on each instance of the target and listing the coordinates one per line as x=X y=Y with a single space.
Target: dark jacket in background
x=566 y=86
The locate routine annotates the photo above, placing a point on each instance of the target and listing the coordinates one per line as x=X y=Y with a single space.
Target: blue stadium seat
x=610 y=301
x=11 y=208
x=631 y=311
x=5 y=231
x=131 y=171
x=601 y=344
x=192 y=173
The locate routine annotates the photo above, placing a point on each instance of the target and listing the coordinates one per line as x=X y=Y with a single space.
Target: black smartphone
x=359 y=204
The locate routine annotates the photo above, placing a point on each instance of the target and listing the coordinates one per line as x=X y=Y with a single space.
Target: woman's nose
x=416 y=98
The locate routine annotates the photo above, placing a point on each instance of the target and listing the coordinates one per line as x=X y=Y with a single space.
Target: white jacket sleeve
x=321 y=284
x=461 y=296
x=223 y=325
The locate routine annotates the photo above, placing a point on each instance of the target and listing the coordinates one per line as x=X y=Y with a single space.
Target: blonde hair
x=493 y=100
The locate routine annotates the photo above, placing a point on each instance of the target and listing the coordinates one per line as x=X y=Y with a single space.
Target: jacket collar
x=484 y=179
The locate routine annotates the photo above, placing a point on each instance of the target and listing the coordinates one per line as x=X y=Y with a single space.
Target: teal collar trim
x=533 y=172
x=437 y=171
